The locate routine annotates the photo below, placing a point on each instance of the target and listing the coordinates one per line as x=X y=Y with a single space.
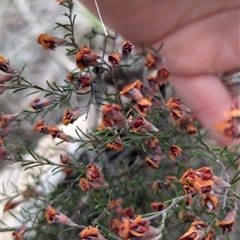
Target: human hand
x=201 y=39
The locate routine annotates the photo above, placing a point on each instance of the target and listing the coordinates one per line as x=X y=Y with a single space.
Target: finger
x=202 y=37
x=208 y=46
x=208 y=99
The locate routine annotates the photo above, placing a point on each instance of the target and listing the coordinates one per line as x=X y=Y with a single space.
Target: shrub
x=146 y=170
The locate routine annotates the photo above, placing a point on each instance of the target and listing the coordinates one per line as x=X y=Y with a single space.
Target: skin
x=201 y=38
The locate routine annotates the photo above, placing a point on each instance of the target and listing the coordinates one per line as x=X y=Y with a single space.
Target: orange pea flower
x=132 y=91
x=188 y=177
x=143 y=107
x=153 y=84
x=233 y=113
x=162 y=76
x=6 y=119
x=19 y=233
x=227 y=223
x=231 y=127
x=112 y=117
x=154 y=161
x=53 y=215
x=50 y=42
x=205 y=173
x=115 y=203
x=191 y=128
x=84 y=185
x=210 y=201
x=116 y=144
x=5 y=66
x=152 y=61
x=85 y=58
x=11 y=204
x=37 y=104
x=114 y=225
x=228 y=129
x=127 y=47
x=157 y=206
x=128 y=212
x=41 y=126
x=93 y=173
x=197 y=231
x=91 y=233
x=173 y=103
x=174 y=151
x=83 y=82
x=140 y=124
x=185 y=216
x=6 y=77
x=70 y=116
x=176 y=115
x=169 y=179
x=54 y=131
x=115 y=58
x=94 y=179
x=154 y=143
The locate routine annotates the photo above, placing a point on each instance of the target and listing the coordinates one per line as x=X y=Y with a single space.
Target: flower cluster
x=116 y=57
x=53 y=215
x=198 y=230
x=180 y=115
x=93 y=180
x=231 y=127
x=134 y=92
x=111 y=117
x=128 y=225
x=203 y=182
x=156 y=62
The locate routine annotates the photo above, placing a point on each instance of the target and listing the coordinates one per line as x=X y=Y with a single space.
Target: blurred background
x=22 y=22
